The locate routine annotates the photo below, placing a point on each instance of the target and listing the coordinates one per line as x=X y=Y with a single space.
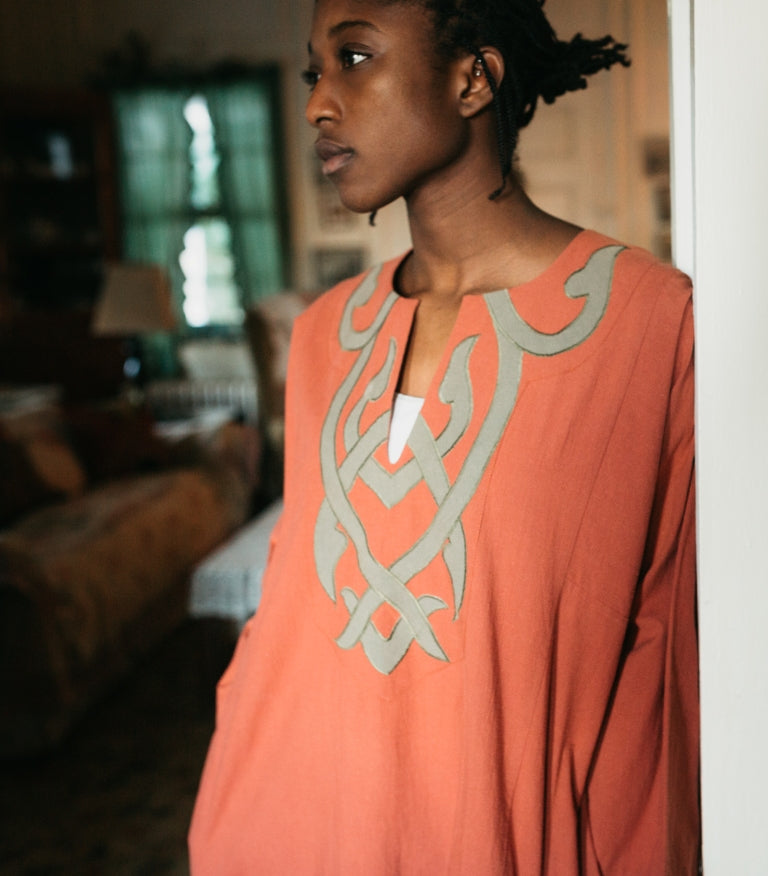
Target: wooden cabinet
x=58 y=227
x=58 y=204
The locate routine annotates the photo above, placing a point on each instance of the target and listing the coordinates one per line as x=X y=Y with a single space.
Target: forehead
x=390 y=18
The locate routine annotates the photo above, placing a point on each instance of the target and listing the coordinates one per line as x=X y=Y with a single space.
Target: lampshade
x=134 y=298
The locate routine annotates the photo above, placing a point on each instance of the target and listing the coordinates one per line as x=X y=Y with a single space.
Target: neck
x=464 y=243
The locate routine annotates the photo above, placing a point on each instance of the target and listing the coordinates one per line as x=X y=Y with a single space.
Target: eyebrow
x=347 y=25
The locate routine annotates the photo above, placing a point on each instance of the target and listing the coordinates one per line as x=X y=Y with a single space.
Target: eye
x=352 y=57
x=310 y=78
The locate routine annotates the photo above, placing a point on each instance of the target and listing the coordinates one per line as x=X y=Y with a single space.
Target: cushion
x=56 y=464
x=37 y=463
x=35 y=473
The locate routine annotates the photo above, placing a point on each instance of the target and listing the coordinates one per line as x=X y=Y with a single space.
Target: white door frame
x=720 y=228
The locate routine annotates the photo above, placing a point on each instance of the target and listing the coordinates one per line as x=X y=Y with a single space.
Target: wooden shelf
x=58 y=201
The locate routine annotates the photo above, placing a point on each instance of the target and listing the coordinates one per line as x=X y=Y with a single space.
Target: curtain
x=244 y=123
x=154 y=139
x=160 y=180
x=153 y=142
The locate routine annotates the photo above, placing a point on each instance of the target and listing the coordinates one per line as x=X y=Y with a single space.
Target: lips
x=333 y=155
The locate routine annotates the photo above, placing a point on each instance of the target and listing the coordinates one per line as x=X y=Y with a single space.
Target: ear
x=474 y=89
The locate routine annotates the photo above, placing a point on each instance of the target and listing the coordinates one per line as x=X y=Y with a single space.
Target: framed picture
x=656 y=165
x=331 y=213
x=656 y=156
x=331 y=265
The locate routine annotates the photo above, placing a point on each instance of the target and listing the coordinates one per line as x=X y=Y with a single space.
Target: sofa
x=101 y=522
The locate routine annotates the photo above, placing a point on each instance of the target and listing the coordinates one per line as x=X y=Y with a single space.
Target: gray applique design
x=338 y=525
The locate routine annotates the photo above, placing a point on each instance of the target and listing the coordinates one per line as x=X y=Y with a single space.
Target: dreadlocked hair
x=538 y=65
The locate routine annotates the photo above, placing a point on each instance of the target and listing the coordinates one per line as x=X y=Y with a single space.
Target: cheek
x=433 y=137
x=422 y=122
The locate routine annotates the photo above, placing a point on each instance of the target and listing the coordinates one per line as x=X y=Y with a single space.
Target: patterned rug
x=116 y=797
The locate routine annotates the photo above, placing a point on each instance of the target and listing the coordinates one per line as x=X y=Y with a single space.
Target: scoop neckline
x=580 y=239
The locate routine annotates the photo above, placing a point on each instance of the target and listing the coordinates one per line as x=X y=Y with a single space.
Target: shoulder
x=658 y=286
x=638 y=271
x=653 y=301
x=645 y=291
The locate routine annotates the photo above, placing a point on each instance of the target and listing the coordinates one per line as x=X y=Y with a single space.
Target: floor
x=116 y=797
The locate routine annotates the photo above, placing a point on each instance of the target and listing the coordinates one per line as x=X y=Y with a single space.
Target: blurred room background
x=162 y=221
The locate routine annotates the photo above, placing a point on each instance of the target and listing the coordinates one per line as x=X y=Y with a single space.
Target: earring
x=477 y=69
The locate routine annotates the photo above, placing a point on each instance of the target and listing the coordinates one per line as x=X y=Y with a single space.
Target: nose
x=323 y=103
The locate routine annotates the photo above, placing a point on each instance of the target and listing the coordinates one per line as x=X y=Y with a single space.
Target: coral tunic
x=479 y=659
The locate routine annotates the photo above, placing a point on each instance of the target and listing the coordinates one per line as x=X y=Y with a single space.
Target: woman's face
x=383 y=102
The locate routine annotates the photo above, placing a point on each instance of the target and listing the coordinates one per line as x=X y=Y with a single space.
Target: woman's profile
x=476 y=649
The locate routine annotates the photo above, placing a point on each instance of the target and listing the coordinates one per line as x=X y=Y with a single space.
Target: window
x=207 y=261
x=202 y=192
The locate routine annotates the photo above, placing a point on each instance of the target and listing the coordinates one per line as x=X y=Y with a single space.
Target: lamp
x=134 y=299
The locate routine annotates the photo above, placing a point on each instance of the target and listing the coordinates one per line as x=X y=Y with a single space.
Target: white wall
x=730 y=145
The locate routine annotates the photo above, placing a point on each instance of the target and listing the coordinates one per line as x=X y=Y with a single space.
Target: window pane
x=210 y=292
x=203 y=155
x=202 y=192
x=154 y=141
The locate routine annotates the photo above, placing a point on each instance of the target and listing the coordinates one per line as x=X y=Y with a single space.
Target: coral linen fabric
x=480 y=659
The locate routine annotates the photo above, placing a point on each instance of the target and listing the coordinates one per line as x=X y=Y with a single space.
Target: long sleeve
x=640 y=813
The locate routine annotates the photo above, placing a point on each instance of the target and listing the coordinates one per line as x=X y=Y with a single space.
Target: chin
x=362 y=197
x=356 y=206
x=360 y=203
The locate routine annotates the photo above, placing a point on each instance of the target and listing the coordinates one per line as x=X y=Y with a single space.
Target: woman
x=476 y=653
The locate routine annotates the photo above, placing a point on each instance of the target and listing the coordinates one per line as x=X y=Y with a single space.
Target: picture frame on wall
x=334 y=264
x=332 y=215
x=657 y=170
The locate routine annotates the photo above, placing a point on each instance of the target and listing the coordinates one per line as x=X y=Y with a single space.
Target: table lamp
x=134 y=299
